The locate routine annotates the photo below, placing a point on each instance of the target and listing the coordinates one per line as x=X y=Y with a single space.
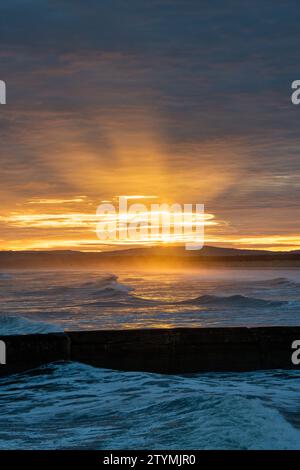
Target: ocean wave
x=276 y=282
x=13 y=325
x=106 y=282
x=107 y=285
x=89 y=408
x=5 y=277
x=234 y=301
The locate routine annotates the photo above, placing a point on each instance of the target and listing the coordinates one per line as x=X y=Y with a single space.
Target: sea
x=75 y=406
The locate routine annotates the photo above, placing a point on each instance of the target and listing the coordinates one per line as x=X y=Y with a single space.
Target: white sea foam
x=235 y=301
x=18 y=325
x=77 y=406
x=100 y=300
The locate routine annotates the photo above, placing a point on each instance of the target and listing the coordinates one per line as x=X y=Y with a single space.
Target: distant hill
x=181 y=251
x=154 y=257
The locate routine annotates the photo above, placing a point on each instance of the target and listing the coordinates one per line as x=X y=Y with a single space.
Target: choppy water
x=78 y=406
x=49 y=301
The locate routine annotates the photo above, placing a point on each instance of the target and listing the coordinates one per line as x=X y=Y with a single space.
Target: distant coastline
x=148 y=258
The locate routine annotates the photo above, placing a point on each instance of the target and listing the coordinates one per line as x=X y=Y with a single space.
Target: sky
x=186 y=100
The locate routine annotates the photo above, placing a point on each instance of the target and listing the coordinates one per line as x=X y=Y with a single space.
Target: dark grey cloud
x=211 y=75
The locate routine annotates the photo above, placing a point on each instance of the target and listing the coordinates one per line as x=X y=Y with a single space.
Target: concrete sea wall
x=169 y=351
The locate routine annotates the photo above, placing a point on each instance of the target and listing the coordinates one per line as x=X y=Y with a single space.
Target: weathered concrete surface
x=177 y=350
x=186 y=350
x=25 y=352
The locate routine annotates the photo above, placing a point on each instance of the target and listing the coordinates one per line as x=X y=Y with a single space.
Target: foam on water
x=235 y=301
x=76 y=406
x=101 y=300
x=278 y=282
x=17 y=325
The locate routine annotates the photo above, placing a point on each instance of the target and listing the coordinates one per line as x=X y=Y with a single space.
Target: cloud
x=180 y=98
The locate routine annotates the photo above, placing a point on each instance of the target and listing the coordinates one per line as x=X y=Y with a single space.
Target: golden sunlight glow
x=66 y=227
x=139 y=197
x=48 y=220
x=154 y=226
x=146 y=227
x=57 y=201
x=265 y=242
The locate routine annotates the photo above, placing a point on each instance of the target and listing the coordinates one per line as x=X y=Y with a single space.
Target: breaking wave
x=277 y=282
x=89 y=408
x=106 y=285
x=97 y=300
x=234 y=301
x=13 y=325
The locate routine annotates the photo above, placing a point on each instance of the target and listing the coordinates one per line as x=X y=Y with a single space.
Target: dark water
x=74 y=406
x=78 y=406
x=49 y=301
